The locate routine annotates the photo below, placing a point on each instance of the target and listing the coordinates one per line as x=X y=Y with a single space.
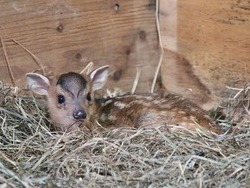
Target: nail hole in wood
x=142 y=35
x=60 y=27
x=78 y=56
x=117 y=7
x=117 y=75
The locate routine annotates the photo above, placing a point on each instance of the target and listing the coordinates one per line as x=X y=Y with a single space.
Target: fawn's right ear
x=38 y=83
x=99 y=77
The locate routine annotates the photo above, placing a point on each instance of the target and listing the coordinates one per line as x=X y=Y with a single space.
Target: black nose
x=79 y=114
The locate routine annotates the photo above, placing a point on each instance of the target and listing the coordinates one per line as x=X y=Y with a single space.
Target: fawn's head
x=70 y=98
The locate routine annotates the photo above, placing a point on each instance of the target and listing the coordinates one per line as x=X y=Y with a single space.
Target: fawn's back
x=149 y=110
x=72 y=105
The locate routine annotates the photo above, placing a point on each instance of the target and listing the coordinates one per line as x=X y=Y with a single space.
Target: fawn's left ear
x=99 y=77
x=38 y=83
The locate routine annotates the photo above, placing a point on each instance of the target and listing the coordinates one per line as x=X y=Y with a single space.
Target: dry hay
x=32 y=155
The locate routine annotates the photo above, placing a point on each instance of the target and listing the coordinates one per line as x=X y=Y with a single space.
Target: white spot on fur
x=120 y=105
x=107 y=102
x=112 y=118
x=181 y=112
x=150 y=98
x=103 y=117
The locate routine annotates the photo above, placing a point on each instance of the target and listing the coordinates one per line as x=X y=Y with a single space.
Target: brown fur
x=135 y=111
x=149 y=110
x=61 y=115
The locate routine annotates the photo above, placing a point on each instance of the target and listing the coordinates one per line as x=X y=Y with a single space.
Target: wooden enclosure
x=207 y=47
x=206 y=43
x=66 y=35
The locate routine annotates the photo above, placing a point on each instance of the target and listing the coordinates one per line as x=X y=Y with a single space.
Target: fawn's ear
x=38 y=83
x=99 y=77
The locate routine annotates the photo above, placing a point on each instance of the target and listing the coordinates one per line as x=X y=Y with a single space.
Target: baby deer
x=72 y=105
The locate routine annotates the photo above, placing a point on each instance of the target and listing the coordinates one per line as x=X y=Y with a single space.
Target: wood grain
x=214 y=37
x=65 y=35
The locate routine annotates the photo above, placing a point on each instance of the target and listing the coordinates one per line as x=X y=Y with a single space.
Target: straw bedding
x=32 y=154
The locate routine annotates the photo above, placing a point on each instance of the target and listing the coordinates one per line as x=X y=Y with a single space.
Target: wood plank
x=66 y=35
x=214 y=37
x=217 y=41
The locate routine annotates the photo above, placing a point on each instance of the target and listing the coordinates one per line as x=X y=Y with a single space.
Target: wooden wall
x=207 y=47
x=67 y=34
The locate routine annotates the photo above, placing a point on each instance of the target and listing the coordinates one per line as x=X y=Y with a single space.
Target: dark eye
x=60 y=99
x=88 y=97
